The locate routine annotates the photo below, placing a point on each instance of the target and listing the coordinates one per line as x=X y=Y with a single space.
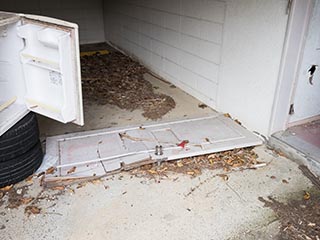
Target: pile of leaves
x=300 y=219
x=117 y=79
x=243 y=158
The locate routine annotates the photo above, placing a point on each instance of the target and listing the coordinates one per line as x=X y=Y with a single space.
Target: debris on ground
x=18 y=195
x=71 y=170
x=29 y=210
x=232 y=160
x=300 y=219
x=306 y=195
x=285 y=181
x=116 y=79
x=50 y=170
x=244 y=158
x=15 y=196
x=6 y=188
x=202 y=105
x=227 y=115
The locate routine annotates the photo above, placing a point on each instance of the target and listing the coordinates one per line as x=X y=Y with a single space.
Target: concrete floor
x=301 y=143
x=180 y=207
x=127 y=207
x=105 y=116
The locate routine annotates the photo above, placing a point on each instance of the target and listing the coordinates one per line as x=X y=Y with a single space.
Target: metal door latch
x=158 y=150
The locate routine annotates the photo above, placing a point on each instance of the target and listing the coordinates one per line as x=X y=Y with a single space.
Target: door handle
x=311 y=72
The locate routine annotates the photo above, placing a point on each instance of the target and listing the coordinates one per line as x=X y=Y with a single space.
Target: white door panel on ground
x=102 y=151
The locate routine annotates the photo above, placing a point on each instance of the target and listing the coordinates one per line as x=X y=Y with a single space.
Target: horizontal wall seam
x=210 y=80
x=166 y=28
x=173 y=13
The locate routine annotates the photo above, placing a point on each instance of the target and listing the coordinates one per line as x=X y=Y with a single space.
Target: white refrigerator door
x=51 y=66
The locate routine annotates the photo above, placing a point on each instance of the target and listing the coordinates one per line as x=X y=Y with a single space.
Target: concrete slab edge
x=294 y=154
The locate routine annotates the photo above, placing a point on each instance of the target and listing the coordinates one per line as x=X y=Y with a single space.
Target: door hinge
x=291 y=109
x=289 y=6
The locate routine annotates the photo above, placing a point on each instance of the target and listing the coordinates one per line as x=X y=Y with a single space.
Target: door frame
x=296 y=34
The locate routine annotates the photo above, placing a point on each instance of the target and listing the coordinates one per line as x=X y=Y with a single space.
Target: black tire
x=19 y=168
x=20 y=138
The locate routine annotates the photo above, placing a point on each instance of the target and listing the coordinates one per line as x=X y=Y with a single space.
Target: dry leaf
x=96 y=181
x=306 y=195
x=202 y=105
x=42 y=180
x=285 y=181
x=179 y=164
x=40 y=174
x=237 y=121
x=71 y=190
x=58 y=188
x=197 y=172
x=226 y=169
x=163 y=169
x=6 y=188
x=152 y=171
x=29 y=179
x=80 y=185
x=281 y=154
x=229 y=162
x=72 y=170
x=26 y=200
x=237 y=165
x=212 y=156
x=190 y=173
x=227 y=115
x=32 y=210
x=225 y=177
x=50 y=170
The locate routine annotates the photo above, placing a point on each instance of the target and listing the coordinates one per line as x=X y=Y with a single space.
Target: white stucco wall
x=252 y=49
x=88 y=14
